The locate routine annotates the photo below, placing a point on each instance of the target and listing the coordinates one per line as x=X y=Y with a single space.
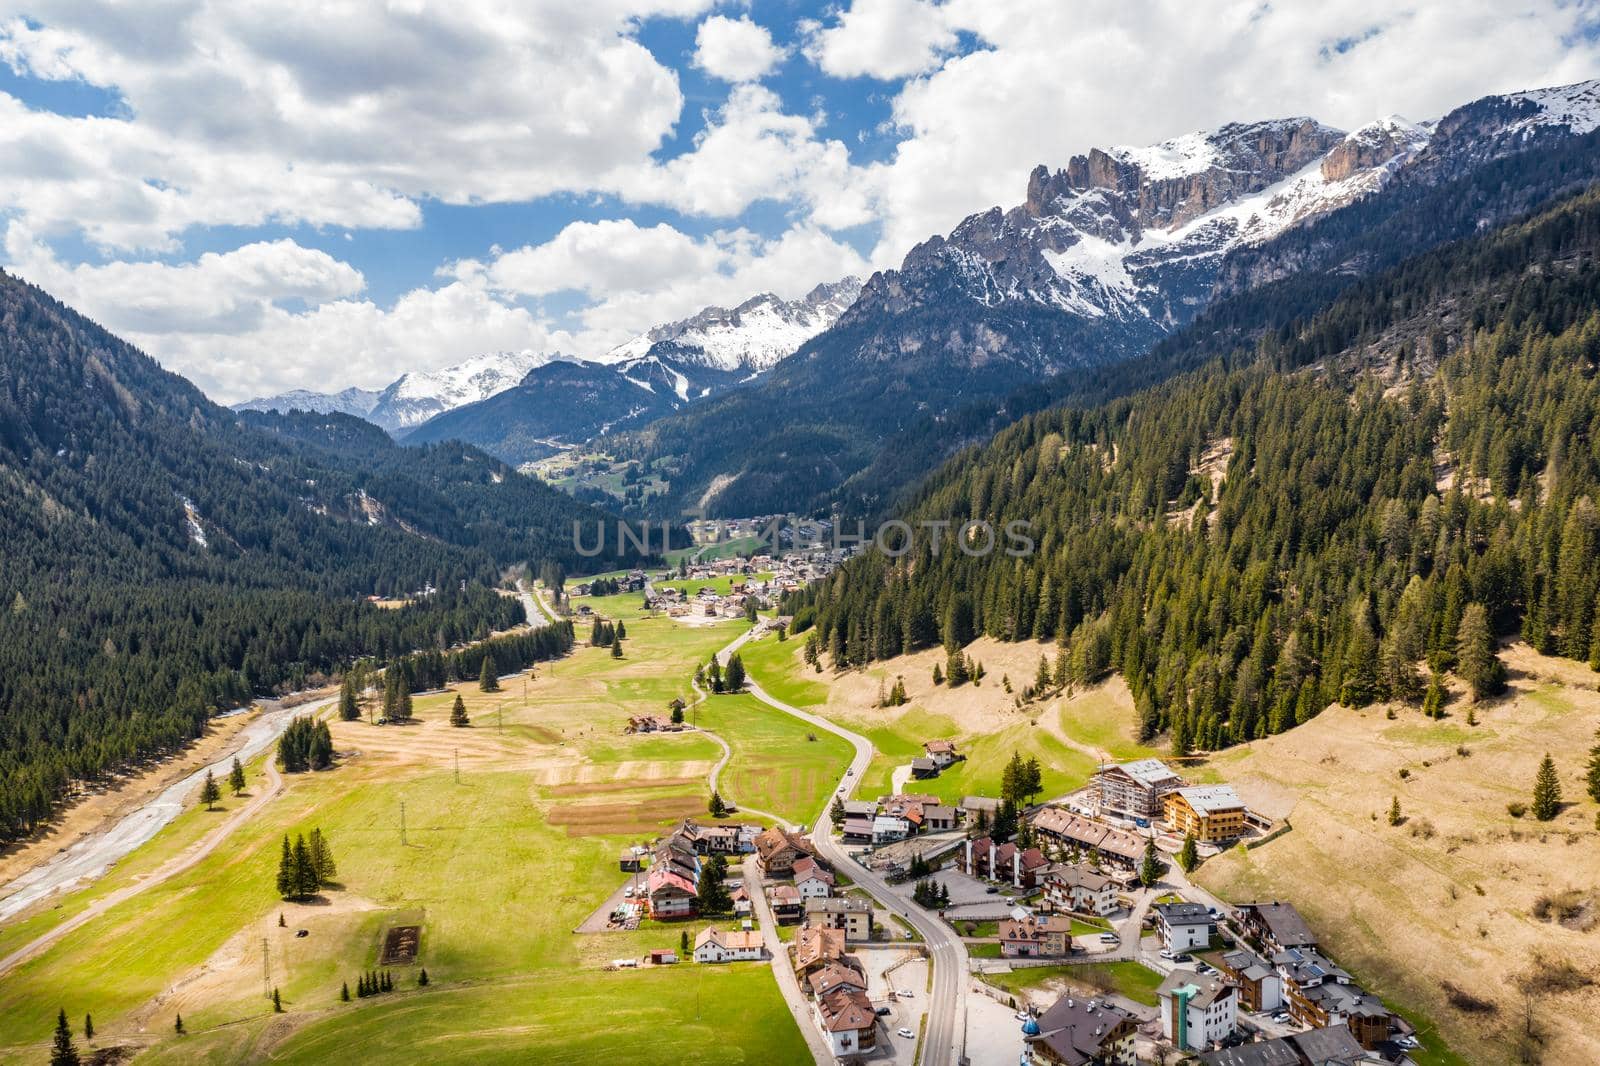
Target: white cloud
x=884 y=39
x=275 y=315
x=1050 y=80
x=296 y=111
x=638 y=277
x=735 y=50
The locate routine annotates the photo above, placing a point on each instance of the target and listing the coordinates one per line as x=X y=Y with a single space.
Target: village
x=1089 y=888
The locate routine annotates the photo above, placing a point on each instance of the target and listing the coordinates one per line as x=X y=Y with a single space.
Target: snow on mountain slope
x=417 y=396
x=756 y=335
x=1574 y=106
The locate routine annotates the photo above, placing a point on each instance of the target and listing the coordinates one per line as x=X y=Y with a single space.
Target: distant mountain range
x=780 y=403
x=414 y=397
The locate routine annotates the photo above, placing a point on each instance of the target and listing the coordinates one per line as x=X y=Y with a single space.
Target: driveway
x=994 y=1036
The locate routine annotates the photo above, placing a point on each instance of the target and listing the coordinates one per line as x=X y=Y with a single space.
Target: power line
x=402 y=823
x=266 y=971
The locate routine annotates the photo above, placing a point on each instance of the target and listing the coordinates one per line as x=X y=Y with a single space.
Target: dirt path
x=185 y=860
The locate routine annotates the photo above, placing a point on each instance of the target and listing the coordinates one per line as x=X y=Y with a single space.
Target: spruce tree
x=487 y=681
x=1592 y=779
x=344 y=992
x=322 y=858
x=422 y=978
x=349 y=709
x=177 y=1024
x=716 y=807
x=1546 y=791
x=1189 y=854
x=209 y=792
x=236 y=777
x=287 y=881
x=88 y=1027
x=62 y=1051
x=733 y=678
x=458 y=713
x=1394 y=811
x=1150 y=868
x=277 y=1002
x=1476 y=661
x=616 y=647
x=836 y=811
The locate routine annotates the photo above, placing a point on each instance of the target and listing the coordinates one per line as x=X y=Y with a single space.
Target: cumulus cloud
x=884 y=39
x=1045 y=81
x=735 y=50
x=638 y=276
x=275 y=315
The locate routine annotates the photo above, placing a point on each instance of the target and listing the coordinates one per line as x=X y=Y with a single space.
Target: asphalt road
x=944 y=1038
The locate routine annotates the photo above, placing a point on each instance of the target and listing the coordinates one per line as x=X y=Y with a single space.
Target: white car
x=903 y=1031
x=1166 y=953
x=903 y=994
x=1109 y=938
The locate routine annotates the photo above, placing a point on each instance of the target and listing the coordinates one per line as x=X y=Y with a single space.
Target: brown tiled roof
x=846 y=1009
x=815 y=946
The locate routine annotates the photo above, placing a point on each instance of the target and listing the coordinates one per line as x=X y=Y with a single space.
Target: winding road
x=944 y=1035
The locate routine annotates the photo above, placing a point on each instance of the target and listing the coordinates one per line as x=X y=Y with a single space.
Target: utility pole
x=458 y=766
x=266 y=971
x=402 y=823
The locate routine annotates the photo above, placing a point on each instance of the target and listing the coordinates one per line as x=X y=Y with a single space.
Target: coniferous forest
x=165 y=559
x=1398 y=475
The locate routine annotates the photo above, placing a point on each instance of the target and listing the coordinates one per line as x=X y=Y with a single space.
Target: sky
x=286 y=194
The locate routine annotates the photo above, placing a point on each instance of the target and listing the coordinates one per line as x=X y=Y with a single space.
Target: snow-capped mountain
x=753 y=336
x=416 y=396
x=1127 y=241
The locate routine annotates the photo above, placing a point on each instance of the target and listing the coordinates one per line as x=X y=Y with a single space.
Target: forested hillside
x=1396 y=476
x=164 y=560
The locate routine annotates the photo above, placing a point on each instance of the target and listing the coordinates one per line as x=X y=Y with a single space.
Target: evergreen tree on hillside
x=62 y=1051
x=1546 y=791
x=733 y=678
x=487 y=681
x=1476 y=661
x=1592 y=778
x=236 y=780
x=88 y=1027
x=288 y=879
x=458 y=713
x=322 y=858
x=1189 y=854
x=616 y=647
x=349 y=709
x=1150 y=867
x=209 y=792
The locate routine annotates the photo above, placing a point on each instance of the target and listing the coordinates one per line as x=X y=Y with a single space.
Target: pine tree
x=1476 y=661
x=1433 y=702
x=88 y=1027
x=836 y=811
x=487 y=681
x=1150 y=868
x=733 y=678
x=322 y=858
x=287 y=881
x=1546 y=791
x=305 y=872
x=277 y=1002
x=209 y=792
x=62 y=1051
x=1394 y=811
x=458 y=713
x=1189 y=854
x=344 y=992
x=236 y=777
x=683 y=943
x=1592 y=779
x=177 y=1024
x=938 y=675
x=422 y=978
x=717 y=808
x=349 y=709
x=616 y=647
x=622 y=630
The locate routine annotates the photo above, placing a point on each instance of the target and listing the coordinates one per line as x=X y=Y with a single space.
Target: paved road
x=944 y=1038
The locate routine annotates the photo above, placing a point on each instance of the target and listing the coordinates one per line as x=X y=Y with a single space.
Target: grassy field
x=1453 y=894
x=497 y=868
x=779 y=763
x=1067 y=735
x=1130 y=979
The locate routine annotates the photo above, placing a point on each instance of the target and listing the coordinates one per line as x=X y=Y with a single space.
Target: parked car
x=1109 y=938
x=904 y=994
x=1022 y=1015
x=882 y=1012
x=1280 y=1017
x=993 y=890
x=1186 y=957
x=1166 y=953
x=903 y=1031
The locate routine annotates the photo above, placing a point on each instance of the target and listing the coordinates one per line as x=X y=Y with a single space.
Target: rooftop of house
x=808 y=868
x=1077 y=1030
x=1069 y=873
x=846 y=1009
x=1211 y=799
x=1203 y=990
x=923 y=762
x=1088 y=832
x=938 y=747
x=1148 y=772
x=1247 y=964
x=1283 y=923
x=730 y=939
x=1308 y=966
x=1034 y=926
x=980 y=803
x=835 y=975
x=815 y=945
x=1183 y=913
x=838 y=905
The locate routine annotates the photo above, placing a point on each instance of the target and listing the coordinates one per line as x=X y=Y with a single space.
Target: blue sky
x=268 y=196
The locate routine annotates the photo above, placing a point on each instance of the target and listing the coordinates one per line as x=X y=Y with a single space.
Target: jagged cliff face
x=1119 y=247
